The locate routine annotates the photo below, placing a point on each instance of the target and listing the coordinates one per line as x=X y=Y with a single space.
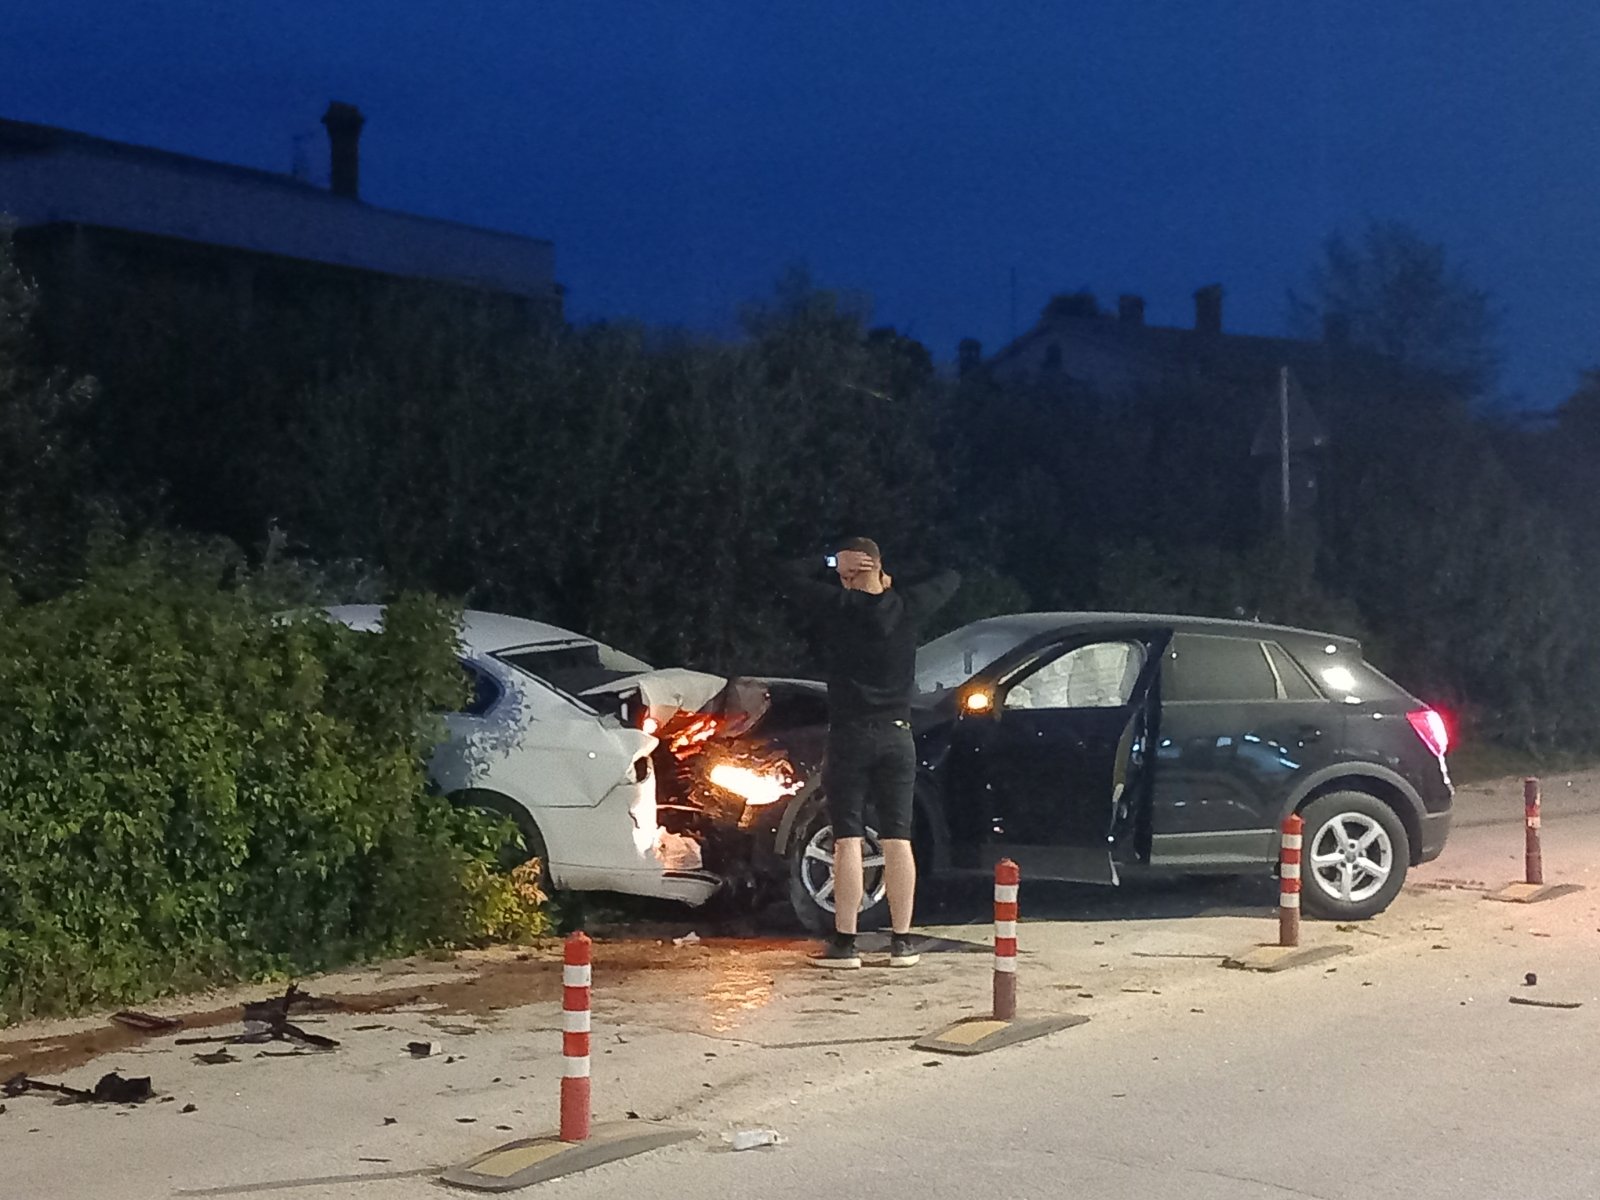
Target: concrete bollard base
x=1532 y=893
x=1272 y=959
x=979 y=1035
x=527 y=1161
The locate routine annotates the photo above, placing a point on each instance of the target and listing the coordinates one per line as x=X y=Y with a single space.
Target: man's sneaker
x=903 y=951
x=839 y=954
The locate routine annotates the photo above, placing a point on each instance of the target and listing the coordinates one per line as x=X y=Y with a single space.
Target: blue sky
x=681 y=154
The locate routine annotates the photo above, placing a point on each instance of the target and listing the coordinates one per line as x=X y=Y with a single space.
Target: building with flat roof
x=78 y=201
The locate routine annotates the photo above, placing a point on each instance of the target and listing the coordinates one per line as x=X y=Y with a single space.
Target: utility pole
x=1283 y=445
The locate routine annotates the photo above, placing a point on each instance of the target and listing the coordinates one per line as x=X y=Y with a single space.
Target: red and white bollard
x=1289 y=881
x=576 y=977
x=1534 y=854
x=1007 y=879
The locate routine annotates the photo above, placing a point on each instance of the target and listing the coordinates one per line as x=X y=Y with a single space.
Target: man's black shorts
x=870 y=763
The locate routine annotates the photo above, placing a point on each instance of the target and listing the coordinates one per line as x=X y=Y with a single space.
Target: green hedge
x=194 y=791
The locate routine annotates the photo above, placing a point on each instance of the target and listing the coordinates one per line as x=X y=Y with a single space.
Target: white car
x=549 y=739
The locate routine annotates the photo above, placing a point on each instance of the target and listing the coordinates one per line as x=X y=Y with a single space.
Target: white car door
x=536 y=745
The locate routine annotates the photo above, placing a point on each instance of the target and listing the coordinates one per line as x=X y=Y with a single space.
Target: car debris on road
x=268 y=1021
x=146 y=1022
x=111 y=1088
x=1530 y=1002
x=751 y=1139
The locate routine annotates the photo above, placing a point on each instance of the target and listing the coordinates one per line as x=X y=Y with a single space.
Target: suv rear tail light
x=1430 y=727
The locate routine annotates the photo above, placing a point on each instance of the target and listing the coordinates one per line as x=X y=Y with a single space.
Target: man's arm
x=810 y=580
x=929 y=595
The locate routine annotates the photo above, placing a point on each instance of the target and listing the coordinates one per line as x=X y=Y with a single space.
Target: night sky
x=681 y=153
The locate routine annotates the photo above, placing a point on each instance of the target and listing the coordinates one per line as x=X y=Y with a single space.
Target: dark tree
x=45 y=509
x=1389 y=290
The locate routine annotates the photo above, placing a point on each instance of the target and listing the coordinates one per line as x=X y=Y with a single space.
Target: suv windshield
x=949 y=661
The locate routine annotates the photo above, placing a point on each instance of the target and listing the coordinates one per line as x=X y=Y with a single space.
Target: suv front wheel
x=1354 y=856
x=811 y=879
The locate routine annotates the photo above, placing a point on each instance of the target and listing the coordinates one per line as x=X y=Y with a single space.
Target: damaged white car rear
x=548 y=738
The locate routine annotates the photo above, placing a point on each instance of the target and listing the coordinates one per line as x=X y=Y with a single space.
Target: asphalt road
x=1404 y=1072
x=1401 y=1069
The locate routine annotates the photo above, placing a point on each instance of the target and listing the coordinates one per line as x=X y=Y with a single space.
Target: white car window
x=1101 y=675
x=574 y=667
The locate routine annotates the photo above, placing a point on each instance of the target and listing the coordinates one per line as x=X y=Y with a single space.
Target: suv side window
x=1296 y=685
x=1100 y=675
x=1202 y=668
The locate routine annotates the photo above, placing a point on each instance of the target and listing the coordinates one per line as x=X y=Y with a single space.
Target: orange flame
x=697 y=731
x=756 y=787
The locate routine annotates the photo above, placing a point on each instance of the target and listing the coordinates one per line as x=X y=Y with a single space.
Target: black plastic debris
x=216 y=1058
x=1530 y=980
x=111 y=1088
x=268 y=1021
x=189 y=1108
x=146 y=1022
x=114 y=1089
x=1530 y=1002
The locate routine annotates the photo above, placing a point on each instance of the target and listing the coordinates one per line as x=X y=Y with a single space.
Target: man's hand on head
x=850 y=563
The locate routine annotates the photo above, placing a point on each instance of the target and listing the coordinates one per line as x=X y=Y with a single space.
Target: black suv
x=1081 y=743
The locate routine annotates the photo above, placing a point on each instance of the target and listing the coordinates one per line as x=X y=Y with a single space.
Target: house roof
x=59 y=176
x=1158 y=343
x=1164 y=350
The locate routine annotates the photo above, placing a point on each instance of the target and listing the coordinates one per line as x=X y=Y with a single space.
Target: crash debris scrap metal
x=268 y=1021
x=146 y=1022
x=111 y=1088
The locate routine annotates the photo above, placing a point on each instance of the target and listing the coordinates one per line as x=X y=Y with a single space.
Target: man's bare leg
x=849 y=882
x=900 y=877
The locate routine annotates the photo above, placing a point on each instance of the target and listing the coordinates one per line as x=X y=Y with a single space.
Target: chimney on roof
x=969 y=354
x=1208 y=309
x=344 y=122
x=1130 y=310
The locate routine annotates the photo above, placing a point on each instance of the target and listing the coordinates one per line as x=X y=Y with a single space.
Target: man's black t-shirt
x=869 y=643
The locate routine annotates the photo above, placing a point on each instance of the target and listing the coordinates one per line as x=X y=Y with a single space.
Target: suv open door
x=1048 y=765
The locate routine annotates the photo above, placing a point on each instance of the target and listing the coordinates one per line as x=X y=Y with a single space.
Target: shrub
x=193 y=791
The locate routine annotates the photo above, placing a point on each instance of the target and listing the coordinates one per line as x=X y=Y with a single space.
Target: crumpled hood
x=667 y=691
x=738 y=702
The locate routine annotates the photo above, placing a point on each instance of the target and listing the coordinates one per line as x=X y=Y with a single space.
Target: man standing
x=868 y=630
